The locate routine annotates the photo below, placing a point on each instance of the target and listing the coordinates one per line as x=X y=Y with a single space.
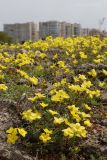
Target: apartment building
x=20 y=32
x=85 y=31
x=68 y=29
x=49 y=28
x=63 y=29
x=77 y=30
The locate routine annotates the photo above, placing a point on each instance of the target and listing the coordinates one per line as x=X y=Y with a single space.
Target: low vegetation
x=60 y=93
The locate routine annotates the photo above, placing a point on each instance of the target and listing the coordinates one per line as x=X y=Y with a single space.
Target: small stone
x=104 y=122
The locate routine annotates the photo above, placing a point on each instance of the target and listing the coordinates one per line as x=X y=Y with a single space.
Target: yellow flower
x=40 y=95
x=22 y=132
x=12 y=138
x=67 y=53
x=83 y=55
x=88 y=123
x=80 y=130
x=73 y=55
x=37 y=96
x=68 y=132
x=39 y=67
x=33 y=80
x=87 y=107
x=30 y=116
x=6 y=54
x=104 y=72
x=86 y=84
x=42 y=55
x=67 y=122
x=58 y=120
x=75 y=115
x=59 y=96
x=44 y=137
x=52 y=112
x=3 y=87
x=61 y=64
x=1 y=77
x=44 y=105
x=72 y=107
x=76 y=79
x=101 y=84
x=75 y=88
x=53 y=91
x=2 y=67
x=97 y=61
x=23 y=74
x=47 y=131
x=53 y=66
x=94 y=51
x=56 y=84
x=55 y=56
x=75 y=61
x=84 y=115
x=63 y=81
x=12 y=130
x=93 y=73
x=82 y=77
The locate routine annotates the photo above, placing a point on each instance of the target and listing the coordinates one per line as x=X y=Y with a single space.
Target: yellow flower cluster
x=23 y=59
x=75 y=130
x=33 y=79
x=37 y=96
x=30 y=116
x=62 y=92
x=13 y=134
x=60 y=96
x=3 y=87
x=45 y=137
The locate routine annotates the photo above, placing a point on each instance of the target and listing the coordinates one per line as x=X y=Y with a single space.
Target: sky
x=86 y=12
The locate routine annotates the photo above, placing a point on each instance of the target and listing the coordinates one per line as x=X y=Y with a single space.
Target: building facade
x=77 y=30
x=49 y=28
x=85 y=31
x=20 y=32
x=63 y=29
x=69 y=30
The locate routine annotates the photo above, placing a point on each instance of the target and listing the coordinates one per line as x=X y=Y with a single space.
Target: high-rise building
x=63 y=29
x=68 y=29
x=20 y=32
x=50 y=28
x=77 y=29
x=85 y=31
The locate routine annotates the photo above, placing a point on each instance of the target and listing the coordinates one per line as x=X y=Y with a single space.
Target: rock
x=90 y=152
x=104 y=122
x=104 y=150
x=9 y=118
x=22 y=81
x=103 y=137
x=14 y=154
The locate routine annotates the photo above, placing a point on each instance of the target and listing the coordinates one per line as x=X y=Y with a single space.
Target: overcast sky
x=86 y=12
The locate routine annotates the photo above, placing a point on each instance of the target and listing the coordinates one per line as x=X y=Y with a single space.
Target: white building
x=85 y=31
x=49 y=28
x=20 y=32
x=77 y=30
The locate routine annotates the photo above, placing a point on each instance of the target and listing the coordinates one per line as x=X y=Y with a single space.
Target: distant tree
x=94 y=32
x=4 y=38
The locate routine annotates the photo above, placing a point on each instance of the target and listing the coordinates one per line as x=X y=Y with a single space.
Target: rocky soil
x=93 y=148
